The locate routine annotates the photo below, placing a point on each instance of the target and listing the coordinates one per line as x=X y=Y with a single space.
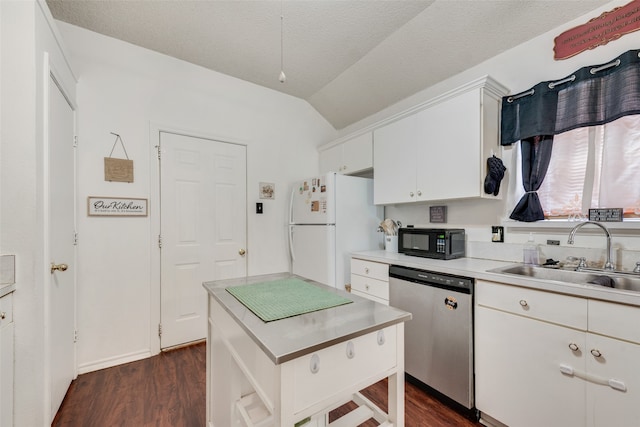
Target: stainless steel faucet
x=607 y=264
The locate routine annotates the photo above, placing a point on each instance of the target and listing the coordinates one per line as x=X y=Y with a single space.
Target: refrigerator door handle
x=293 y=189
x=293 y=257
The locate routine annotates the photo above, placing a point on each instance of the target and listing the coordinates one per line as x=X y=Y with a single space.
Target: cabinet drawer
x=614 y=320
x=374 y=287
x=342 y=367
x=369 y=296
x=547 y=306
x=375 y=270
x=6 y=309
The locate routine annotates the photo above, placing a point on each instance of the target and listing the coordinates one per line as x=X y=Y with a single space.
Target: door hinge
x=75 y=141
x=75 y=238
x=160 y=241
x=160 y=330
x=159 y=152
x=75 y=335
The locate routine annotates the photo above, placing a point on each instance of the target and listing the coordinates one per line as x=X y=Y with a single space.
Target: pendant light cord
x=282 y=76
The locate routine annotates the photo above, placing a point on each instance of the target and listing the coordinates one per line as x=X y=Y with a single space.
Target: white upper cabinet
x=440 y=151
x=351 y=156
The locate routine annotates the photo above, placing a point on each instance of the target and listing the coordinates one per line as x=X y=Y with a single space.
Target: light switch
x=258 y=208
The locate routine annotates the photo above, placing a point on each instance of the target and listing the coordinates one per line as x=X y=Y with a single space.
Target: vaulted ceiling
x=347 y=58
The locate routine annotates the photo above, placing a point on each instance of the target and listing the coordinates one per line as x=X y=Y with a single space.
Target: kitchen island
x=294 y=371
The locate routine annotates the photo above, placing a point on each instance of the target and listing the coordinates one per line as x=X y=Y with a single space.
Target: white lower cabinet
x=532 y=370
x=370 y=280
x=6 y=360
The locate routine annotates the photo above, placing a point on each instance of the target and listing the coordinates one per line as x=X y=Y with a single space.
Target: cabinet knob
x=351 y=351
x=366 y=270
x=314 y=364
x=524 y=303
x=596 y=352
x=574 y=347
x=366 y=287
x=3 y=315
x=419 y=193
x=411 y=194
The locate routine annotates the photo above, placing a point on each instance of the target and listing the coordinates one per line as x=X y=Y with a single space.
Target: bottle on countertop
x=530 y=252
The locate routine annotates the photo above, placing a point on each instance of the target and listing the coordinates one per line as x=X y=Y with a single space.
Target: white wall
x=25 y=36
x=518 y=69
x=129 y=90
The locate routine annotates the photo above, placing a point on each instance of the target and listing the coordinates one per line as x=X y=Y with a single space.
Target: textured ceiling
x=348 y=59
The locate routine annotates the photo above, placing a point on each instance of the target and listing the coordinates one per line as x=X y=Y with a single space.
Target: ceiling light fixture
x=282 y=76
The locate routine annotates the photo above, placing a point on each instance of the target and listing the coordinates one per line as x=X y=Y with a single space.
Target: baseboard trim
x=113 y=361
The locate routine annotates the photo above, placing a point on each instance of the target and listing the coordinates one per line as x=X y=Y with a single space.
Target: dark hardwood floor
x=168 y=390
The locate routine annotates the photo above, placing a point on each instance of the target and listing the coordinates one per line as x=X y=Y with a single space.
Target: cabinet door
x=331 y=160
x=394 y=160
x=6 y=374
x=450 y=157
x=517 y=365
x=357 y=153
x=617 y=363
x=352 y=156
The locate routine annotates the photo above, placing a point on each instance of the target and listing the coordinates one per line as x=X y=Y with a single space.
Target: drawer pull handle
x=524 y=303
x=314 y=366
x=381 y=338
x=596 y=352
x=574 y=347
x=351 y=352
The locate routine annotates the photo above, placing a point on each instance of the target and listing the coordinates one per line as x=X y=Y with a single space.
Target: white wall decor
x=115 y=206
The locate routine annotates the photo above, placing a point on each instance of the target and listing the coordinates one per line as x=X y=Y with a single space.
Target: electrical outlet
x=497 y=233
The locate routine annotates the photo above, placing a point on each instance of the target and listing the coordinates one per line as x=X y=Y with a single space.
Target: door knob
x=242 y=252
x=59 y=267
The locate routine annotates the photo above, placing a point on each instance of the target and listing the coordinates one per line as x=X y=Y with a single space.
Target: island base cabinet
x=613 y=391
x=518 y=371
x=246 y=388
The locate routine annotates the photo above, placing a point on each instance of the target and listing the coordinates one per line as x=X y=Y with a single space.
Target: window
x=594 y=167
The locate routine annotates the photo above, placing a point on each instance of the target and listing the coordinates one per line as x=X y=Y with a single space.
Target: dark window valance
x=591 y=96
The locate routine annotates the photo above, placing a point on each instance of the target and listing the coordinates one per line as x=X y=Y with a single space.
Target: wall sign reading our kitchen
x=598 y=31
x=116 y=206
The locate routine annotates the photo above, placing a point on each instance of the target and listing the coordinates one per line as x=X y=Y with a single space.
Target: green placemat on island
x=284 y=298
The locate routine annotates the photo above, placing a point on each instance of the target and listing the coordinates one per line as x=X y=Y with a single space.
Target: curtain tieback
x=532 y=191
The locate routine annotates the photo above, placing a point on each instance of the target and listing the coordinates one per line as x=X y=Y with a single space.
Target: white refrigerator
x=331 y=216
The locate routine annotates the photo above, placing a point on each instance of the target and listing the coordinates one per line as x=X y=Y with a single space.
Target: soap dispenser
x=530 y=252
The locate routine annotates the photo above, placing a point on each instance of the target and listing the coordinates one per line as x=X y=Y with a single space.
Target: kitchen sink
x=623 y=281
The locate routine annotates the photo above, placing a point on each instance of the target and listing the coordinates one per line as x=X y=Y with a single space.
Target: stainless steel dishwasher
x=439 y=338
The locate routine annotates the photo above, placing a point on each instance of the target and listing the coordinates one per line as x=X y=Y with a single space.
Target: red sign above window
x=599 y=31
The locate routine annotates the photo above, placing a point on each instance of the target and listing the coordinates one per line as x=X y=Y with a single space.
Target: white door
x=203 y=216
x=61 y=300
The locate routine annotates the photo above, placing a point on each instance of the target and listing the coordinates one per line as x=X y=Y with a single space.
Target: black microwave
x=439 y=243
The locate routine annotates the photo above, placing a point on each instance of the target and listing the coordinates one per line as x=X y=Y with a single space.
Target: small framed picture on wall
x=267 y=190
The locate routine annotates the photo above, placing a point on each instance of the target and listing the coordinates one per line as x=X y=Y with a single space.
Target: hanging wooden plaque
x=598 y=31
x=119 y=170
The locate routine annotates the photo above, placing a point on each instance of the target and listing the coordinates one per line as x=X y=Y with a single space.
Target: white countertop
x=477 y=269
